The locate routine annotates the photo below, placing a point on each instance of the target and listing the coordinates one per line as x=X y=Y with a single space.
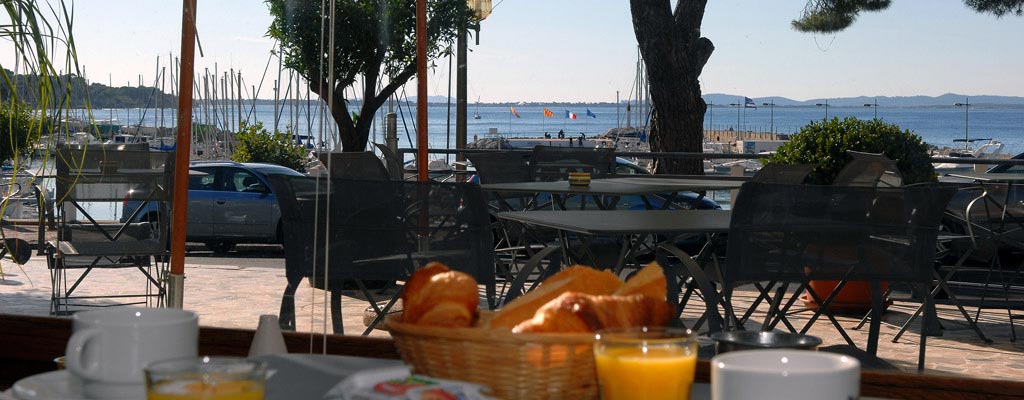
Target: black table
x=634 y=227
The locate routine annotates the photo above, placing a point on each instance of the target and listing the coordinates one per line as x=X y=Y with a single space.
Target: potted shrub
x=826 y=143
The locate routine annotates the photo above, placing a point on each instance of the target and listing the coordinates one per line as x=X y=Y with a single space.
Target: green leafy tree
x=255 y=144
x=373 y=43
x=826 y=143
x=675 y=53
x=827 y=16
x=16 y=129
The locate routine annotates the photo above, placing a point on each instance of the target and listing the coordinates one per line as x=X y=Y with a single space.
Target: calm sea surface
x=936 y=125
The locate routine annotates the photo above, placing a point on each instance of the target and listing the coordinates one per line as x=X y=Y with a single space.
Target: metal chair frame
x=93 y=174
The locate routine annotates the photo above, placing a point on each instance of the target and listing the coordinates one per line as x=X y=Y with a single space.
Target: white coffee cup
x=784 y=374
x=110 y=347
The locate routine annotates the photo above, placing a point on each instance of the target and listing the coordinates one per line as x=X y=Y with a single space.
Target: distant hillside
x=99 y=95
x=947 y=99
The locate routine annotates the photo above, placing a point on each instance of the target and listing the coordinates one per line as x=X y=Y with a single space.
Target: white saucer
x=53 y=385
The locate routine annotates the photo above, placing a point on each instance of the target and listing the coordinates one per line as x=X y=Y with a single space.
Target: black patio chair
x=798 y=233
x=92 y=182
x=777 y=173
x=793 y=174
x=549 y=163
x=516 y=248
x=381 y=230
x=869 y=169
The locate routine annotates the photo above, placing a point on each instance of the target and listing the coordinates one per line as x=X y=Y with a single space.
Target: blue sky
x=585 y=50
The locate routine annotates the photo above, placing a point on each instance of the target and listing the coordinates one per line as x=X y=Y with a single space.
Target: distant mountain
x=948 y=99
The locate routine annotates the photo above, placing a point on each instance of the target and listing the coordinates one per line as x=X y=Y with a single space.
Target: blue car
x=228 y=203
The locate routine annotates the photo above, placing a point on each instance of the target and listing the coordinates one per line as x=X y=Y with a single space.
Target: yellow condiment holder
x=579 y=178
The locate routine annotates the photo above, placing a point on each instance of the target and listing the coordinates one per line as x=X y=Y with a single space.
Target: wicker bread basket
x=513 y=366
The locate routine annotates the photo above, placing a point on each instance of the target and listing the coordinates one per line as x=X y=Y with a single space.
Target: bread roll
x=438 y=296
x=576 y=278
x=581 y=313
x=649 y=281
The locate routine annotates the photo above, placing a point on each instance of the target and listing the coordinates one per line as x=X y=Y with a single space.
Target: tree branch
x=690 y=14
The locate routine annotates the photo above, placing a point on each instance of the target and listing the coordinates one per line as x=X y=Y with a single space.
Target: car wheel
x=220 y=247
x=154 y=219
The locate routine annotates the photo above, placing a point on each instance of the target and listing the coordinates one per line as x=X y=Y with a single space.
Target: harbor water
x=936 y=125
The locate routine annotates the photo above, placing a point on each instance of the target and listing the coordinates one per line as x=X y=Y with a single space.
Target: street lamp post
x=771 y=106
x=967 y=106
x=873 y=105
x=738 y=106
x=825 y=104
x=711 y=115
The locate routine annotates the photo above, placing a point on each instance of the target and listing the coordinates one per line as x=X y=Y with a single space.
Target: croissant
x=580 y=313
x=649 y=281
x=438 y=296
x=573 y=279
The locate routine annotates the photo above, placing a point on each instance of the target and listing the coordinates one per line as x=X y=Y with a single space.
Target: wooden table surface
x=29 y=344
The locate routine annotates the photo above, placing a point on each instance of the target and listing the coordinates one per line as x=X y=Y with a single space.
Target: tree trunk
x=675 y=55
x=346 y=129
x=677 y=122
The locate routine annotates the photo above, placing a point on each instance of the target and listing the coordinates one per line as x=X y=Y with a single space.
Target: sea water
x=936 y=125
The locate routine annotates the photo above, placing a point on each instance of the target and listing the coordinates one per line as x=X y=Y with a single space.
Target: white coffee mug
x=110 y=347
x=784 y=374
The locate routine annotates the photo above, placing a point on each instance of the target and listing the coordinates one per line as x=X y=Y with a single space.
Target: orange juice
x=195 y=389
x=651 y=373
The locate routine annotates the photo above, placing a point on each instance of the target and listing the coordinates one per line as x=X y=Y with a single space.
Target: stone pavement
x=234 y=291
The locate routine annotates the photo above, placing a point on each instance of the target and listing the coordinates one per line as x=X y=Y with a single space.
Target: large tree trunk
x=675 y=55
x=347 y=134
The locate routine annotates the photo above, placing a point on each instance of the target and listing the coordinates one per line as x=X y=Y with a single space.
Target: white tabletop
x=989 y=177
x=617 y=186
x=625 y=222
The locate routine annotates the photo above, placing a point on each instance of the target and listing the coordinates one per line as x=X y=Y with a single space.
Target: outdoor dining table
x=606 y=192
x=633 y=227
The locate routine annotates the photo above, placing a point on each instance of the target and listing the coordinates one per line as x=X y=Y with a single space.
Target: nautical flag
x=570 y=115
x=747 y=102
x=590 y=114
x=513 y=109
x=548 y=113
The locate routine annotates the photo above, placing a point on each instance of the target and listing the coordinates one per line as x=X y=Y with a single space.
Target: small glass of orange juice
x=207 y=378
x=645 y=363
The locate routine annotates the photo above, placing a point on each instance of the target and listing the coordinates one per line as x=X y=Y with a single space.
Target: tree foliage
x=16 y=129
x=828 y=16
x=255 y=144
x=374 y=43
x=826 y=143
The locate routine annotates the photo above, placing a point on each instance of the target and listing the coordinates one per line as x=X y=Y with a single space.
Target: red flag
x=513 y=109
x=548 y=113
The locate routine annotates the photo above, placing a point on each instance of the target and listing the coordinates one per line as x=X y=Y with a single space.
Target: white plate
x=53 y=385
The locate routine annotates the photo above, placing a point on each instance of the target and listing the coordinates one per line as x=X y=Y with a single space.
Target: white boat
x=987 y=150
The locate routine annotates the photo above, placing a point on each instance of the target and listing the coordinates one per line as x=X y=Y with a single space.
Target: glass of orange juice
x=207 y=378
x=645 y=363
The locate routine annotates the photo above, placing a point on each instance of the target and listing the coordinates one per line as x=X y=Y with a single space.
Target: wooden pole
x=421 y=89
x=176 y=286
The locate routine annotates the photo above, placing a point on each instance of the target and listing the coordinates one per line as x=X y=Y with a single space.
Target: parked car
x=228 y=203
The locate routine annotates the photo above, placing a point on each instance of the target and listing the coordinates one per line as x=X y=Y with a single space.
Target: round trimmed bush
x=826 y=143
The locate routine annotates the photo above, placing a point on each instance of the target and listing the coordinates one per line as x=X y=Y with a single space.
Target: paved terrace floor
x=234 y=291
